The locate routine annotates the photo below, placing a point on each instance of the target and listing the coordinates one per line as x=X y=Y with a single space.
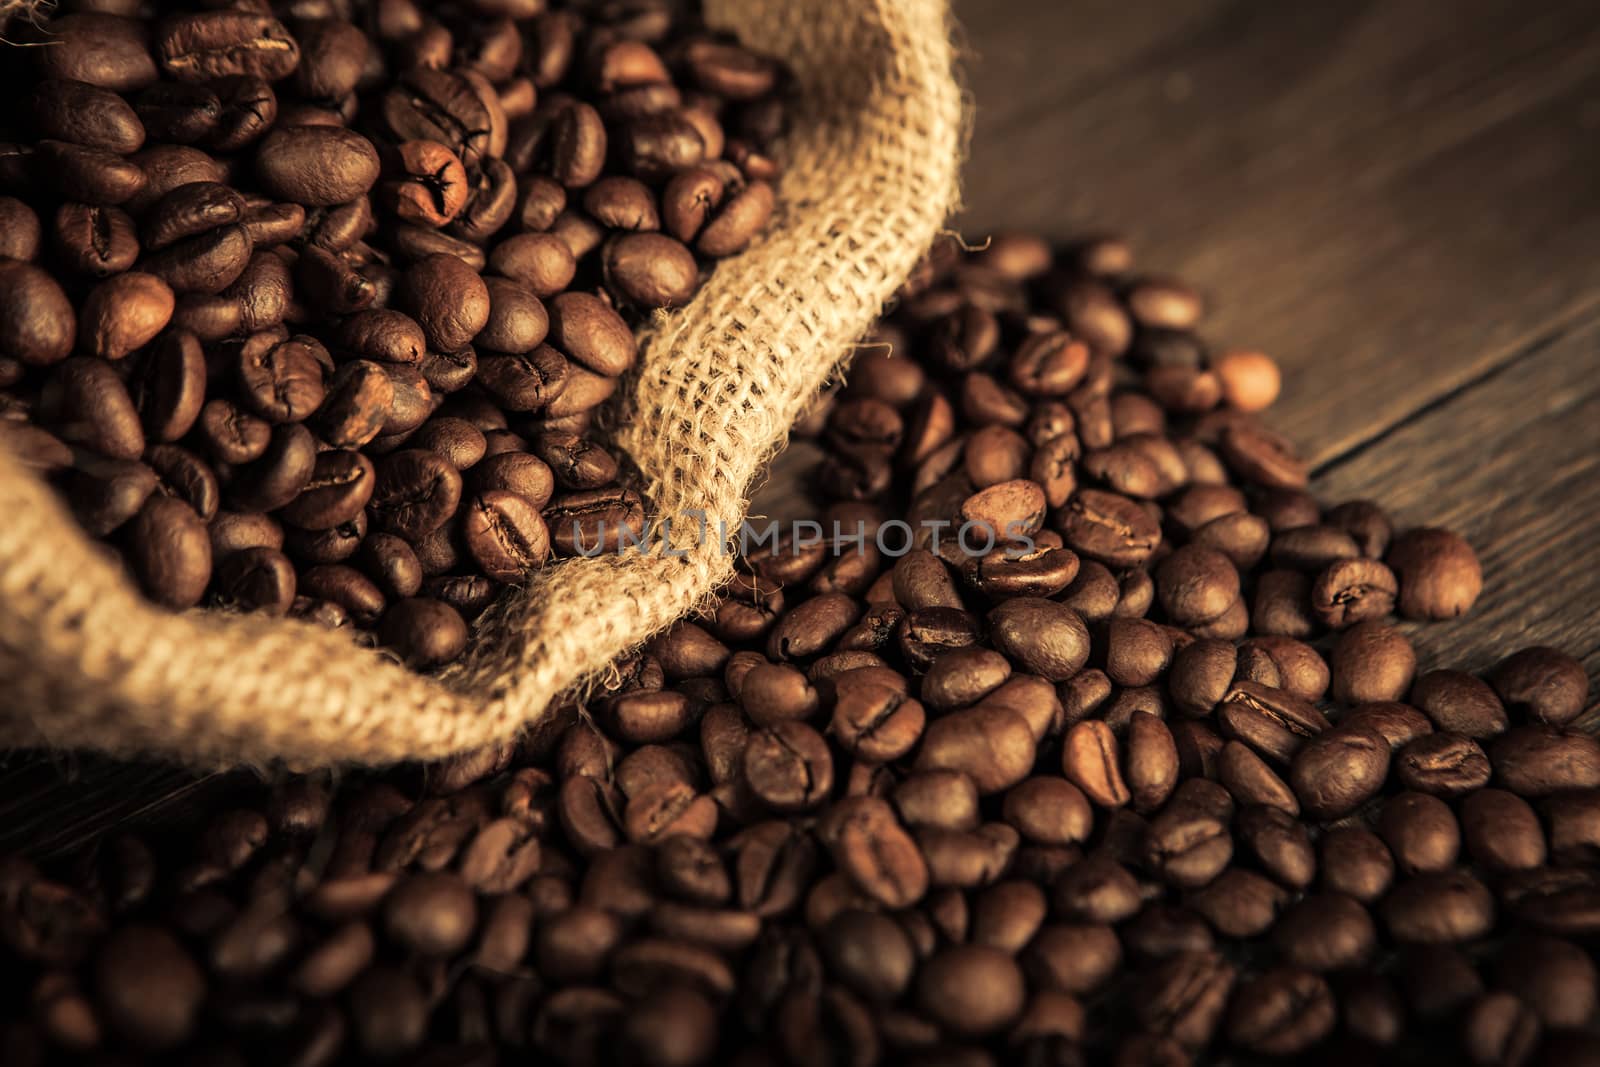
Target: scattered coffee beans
x=1162 y=786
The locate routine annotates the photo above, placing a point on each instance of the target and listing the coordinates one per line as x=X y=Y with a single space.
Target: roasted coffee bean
x=1351 y=591
x=1542 y=684
x=1555 y=978
x=1400 y=724
x=148 y=987
x=871 y=847
x=86 y=403
x=505 y=534
x=1184 y=997
x=1443 y=764
x=1240 y=903
x=1281 y=1012
x=1196 y=584
x=448 y=299
x=1279 y=843
x=257 y=579
x=1326 y=932
x=170 y=552
x=1439 y=573
x=1248 y=778
x=1574 y=826
x=1422 y=832
x=1442 y=908
x=992 y=745
x=415 y=493
x=875 y=724
x=1357 y=863
x=1501 y=831
x=424 y=632
x=1041 y=636
x=94 y=239
x=1187 y=846
x=1457 y=701
x=788 y=766
x=1339 y=770
x=1500 y=1029
x=1372 y=662
x=1271 y=721
x=964 y=676
x=1108 y=528
x=971 y=989
x=1535 y=761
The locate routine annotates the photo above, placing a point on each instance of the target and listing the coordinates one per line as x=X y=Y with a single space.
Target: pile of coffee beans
x=1153 y=780
x=307 y=308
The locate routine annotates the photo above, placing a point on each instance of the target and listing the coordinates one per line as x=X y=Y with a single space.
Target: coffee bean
x=1440 y=908
x=449 y=300
x=1184 y=997
x=1443 y=764
x=1271 y=721
x=87 y=404
x=788 y=766
x=870 y=846
x=148 y=987
x=1339 y=770
x=388 y=1012
x=1372 y=662
x=1152 y=761
x=429 y=187
x=1438 y=980
x=971 y=989
x=1399 y=724
x=1279 y=843
x=424 y=632
x=1326 y=932
x=1555 y=978
x=1043 y=637
x=1535 y=761
x=1353 y=590
x=257 y=579
x=1422 y=832
x=1357 y=863
x=1439 y=573
x=1574 y=828
x=1281 y=1012
x=1240 y=903
x=1108 y=528
x=1457 y=701
x=1542 y=684
x=1263 y=457
x=215 y=44
x=170 y=552
x=504 y=534
x=1187 y=846
x=1500 y=1029
x=874 y=723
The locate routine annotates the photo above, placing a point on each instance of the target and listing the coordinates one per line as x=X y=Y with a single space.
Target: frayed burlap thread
x=872 y=173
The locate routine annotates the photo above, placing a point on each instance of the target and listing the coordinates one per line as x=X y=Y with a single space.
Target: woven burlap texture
x=872 y=166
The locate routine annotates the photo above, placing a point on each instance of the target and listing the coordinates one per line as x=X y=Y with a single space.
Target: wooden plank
x=51 y=803
x=1391 y=198
x=1513 y=464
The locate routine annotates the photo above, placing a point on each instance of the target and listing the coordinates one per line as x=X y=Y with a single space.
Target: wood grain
x=1513 y=464
x=1391 y=198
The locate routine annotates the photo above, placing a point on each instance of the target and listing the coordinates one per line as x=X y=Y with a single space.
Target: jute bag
x=871 y=174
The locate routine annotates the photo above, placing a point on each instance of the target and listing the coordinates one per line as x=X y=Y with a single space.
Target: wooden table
x=1399 y=200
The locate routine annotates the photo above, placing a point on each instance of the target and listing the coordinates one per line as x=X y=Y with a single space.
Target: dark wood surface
x=1398 y=199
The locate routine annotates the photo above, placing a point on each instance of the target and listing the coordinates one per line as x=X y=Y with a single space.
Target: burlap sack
x=872 y=173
